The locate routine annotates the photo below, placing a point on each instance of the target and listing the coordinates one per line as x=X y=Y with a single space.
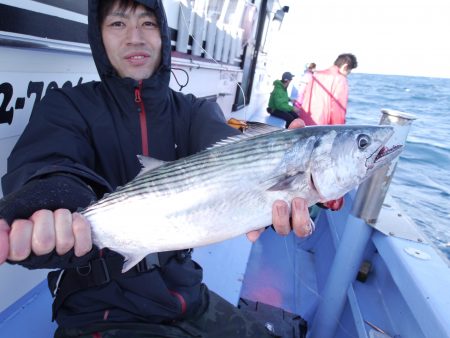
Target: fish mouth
x=383 y=155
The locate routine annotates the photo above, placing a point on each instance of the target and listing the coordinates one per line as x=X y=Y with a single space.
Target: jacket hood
x=279 y=84
x=104 y=67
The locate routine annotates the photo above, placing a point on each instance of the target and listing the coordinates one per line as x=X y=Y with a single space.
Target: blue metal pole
x=356 y=235
x=343 y=271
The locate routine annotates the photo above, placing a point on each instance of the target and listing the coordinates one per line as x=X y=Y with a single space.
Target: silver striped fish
x=228 y=190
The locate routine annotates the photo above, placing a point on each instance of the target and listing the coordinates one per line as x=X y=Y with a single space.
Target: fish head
x=344 y=156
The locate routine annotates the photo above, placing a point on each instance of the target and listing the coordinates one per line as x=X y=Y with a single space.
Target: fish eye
x=363 y=141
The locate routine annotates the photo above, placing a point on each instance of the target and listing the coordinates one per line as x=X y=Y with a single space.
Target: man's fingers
x=43 y=240
x=82 y=234
x=281 y=220
x=297 y=123
x=280 y=217
x=65 y=239
x=44 y=232
x=254 y=235
x=300 y=218
x=4 y=240
x=20 y=240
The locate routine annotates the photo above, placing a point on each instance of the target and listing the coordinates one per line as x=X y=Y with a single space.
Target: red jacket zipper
x=142 y=119
x=144 y=137
x=180 y=299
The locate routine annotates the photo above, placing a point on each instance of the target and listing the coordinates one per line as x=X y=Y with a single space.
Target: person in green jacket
x=279 y=100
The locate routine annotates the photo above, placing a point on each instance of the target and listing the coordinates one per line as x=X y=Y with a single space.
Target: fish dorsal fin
x=148 y=163
x=252 y=129
x=259 y=128
x=228 y=140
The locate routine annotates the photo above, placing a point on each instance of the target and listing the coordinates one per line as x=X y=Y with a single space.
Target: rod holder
x=376 y=187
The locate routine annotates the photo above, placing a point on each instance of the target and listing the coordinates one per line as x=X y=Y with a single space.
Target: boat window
x=248 y=23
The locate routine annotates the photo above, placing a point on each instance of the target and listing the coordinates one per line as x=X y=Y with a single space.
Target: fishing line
x=304 y=283
x=194 y=40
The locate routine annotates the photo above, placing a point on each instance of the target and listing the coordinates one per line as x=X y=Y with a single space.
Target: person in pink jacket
x=310 y=68
x=326 y=95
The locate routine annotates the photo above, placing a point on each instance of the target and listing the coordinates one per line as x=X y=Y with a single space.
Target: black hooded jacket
x=90 y=135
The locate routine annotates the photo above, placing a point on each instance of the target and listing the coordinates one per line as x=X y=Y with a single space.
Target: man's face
x=132 y=42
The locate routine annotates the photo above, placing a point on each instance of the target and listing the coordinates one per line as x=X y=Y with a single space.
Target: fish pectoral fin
x=148 y=163
x=287 y=182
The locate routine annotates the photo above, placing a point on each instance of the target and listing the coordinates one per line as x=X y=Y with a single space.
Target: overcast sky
x=401 y=37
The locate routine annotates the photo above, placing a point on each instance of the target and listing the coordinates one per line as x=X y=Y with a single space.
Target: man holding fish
x=83 y=142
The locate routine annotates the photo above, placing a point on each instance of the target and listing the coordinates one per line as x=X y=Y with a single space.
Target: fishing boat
x=367 y=271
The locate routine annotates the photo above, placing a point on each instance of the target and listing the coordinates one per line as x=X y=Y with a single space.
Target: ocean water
x=421 y=183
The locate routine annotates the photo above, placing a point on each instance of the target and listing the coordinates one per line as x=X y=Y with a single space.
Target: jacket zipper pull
x=137 y=95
